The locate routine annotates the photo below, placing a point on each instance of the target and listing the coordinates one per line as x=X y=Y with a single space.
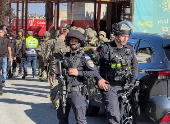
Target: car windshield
x=167 y=51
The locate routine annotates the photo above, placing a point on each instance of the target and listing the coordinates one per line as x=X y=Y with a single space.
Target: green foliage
x=4 y=10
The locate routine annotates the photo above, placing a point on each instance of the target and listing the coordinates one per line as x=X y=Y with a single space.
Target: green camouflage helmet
x=90 y=29
x=29 y=33
x=73 y=28
x=46 y=34
x=102 y=33
x=81 y=30
x=95 y=33
x=90 y=34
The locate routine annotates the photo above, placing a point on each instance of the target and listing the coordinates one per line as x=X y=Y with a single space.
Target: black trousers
x=77 y=102
x=111 y=104
x=14 y=65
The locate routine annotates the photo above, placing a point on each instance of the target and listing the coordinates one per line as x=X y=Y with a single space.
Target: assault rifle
x=63 y=89
x=62 y=83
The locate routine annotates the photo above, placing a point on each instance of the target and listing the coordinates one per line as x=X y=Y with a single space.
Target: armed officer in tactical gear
x=41 y=49
x=20 y=39
x=118 y=65
x=79 y=67
x=12 y=42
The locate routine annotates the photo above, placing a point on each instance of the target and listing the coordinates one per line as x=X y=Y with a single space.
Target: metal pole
x=95 y=15
x=10 y=14
x=72 y=12
x=17 y=18
x=55 y=16
x=22 y=12
x=26 y=10
x=98 y=15
x=132 y=11
x=57 y=13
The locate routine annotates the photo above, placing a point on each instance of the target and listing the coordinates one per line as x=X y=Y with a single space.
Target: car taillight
x=159 y=74
x=166 y=118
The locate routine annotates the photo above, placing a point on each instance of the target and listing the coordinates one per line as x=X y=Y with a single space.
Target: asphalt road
x=24 y=102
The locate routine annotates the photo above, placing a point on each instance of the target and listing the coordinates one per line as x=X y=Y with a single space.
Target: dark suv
x=153 y=99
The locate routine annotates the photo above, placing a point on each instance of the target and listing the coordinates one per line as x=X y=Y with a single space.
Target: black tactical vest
x=119 y=65
x=71 y=62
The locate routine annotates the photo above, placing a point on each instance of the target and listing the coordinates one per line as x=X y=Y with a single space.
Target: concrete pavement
x=24 y=102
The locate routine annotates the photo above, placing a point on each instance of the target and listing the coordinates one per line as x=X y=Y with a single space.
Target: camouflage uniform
x=41 y=49
x=54 y=44
x=19 y=43
x=89 y=44
x=95 y=35
x=102 y=40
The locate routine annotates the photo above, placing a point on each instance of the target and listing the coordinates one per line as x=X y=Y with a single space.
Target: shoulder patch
x=87 y=57
x=90 y=63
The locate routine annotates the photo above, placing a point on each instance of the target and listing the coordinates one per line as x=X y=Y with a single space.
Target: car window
x=144 y=52
x=167 y=51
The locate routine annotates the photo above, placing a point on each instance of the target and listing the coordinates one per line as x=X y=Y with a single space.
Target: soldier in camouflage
x=41 y=49
x=90 y=44
x=53 y=45
x=102 y=39
x=20 y=38
x=12 y=41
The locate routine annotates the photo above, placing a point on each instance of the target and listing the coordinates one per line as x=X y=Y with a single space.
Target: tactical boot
x=14 y=75
x=9 y=76
x=23 y=77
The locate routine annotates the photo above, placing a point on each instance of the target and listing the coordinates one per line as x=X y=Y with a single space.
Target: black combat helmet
x=75 y=34
x=123 y=27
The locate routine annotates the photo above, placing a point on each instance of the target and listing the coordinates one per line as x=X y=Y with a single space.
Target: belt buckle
x=80 y=88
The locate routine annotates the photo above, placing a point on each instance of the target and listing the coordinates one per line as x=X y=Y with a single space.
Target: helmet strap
x=118 y=40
